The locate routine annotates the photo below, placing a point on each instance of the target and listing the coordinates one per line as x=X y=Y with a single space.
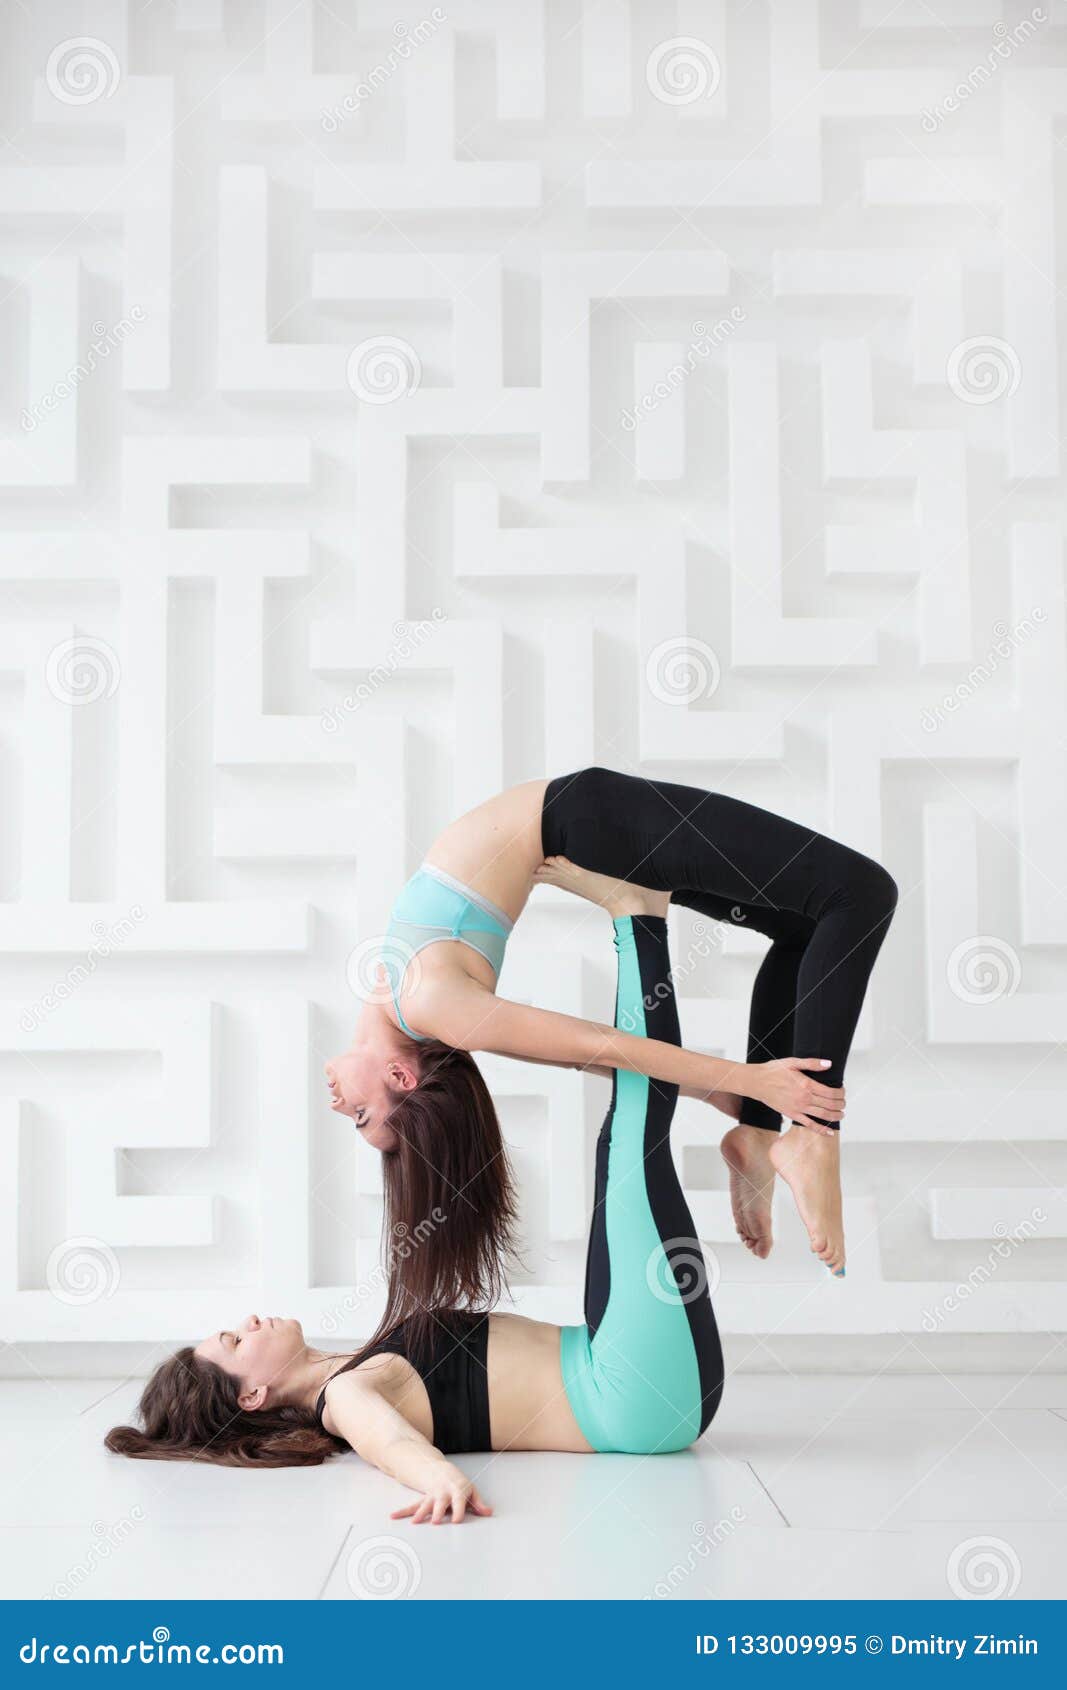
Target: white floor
x=809 y=1487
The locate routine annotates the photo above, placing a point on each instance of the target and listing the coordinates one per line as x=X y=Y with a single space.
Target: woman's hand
x=453 y=1493
x=784 y=1086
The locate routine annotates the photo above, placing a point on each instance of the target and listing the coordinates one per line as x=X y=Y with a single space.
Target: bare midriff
x=528 y=1407
x=495 y=848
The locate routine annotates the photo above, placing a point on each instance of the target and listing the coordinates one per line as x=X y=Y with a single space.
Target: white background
x=834 y=513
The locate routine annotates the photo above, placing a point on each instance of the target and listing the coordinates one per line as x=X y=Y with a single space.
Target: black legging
x=825 y=907
x=645 y=1372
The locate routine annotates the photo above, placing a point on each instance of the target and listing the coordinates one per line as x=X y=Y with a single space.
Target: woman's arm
x=471 y=1018
x=727 y=1102
x=544 y=1035
x=700 y=1094
x=356 y=1411
x=575 y=1067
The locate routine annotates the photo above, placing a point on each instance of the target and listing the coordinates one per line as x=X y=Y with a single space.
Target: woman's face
x=363 y=1084
x=258 y=1353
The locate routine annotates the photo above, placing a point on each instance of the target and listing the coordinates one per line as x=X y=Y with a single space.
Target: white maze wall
x=707 y=428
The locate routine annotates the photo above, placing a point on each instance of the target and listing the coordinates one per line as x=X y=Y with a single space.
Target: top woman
x=409 y=1087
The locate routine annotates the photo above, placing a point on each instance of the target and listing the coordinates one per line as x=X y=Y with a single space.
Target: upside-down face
x=365 y=1084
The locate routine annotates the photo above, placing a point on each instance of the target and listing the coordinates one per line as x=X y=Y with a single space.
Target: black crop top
x=455 y=1375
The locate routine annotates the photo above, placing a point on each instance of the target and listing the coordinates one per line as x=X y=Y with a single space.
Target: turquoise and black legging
x=644 y=1374
x=825 y=907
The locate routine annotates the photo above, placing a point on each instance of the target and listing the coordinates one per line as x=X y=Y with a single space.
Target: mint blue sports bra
x=434 y=906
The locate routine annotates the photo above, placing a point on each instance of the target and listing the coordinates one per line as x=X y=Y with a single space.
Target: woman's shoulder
x=355 y=1383
x=365 y=1362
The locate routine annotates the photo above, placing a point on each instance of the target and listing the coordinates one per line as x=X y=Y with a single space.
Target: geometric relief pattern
x=393 y=412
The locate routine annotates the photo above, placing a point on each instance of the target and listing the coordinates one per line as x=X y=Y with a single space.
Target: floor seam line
x=768 y=1495
x=345 y=1535
x=96 y=1402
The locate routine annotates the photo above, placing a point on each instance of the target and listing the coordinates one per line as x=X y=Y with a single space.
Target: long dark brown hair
x=450 y=1202
x=449 y=1233
x=189 y=1411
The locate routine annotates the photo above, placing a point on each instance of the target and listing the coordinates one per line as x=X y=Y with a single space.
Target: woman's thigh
x=673 y=837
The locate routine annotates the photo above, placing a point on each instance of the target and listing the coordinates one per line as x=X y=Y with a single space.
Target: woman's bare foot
x=747 y=1153
x=810 y=1164
x=618 y=897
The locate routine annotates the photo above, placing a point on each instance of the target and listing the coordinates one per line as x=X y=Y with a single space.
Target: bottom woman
x=643 y=1374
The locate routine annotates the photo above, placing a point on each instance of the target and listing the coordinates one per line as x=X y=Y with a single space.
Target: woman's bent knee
x=886 y=892
x=870 y=887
